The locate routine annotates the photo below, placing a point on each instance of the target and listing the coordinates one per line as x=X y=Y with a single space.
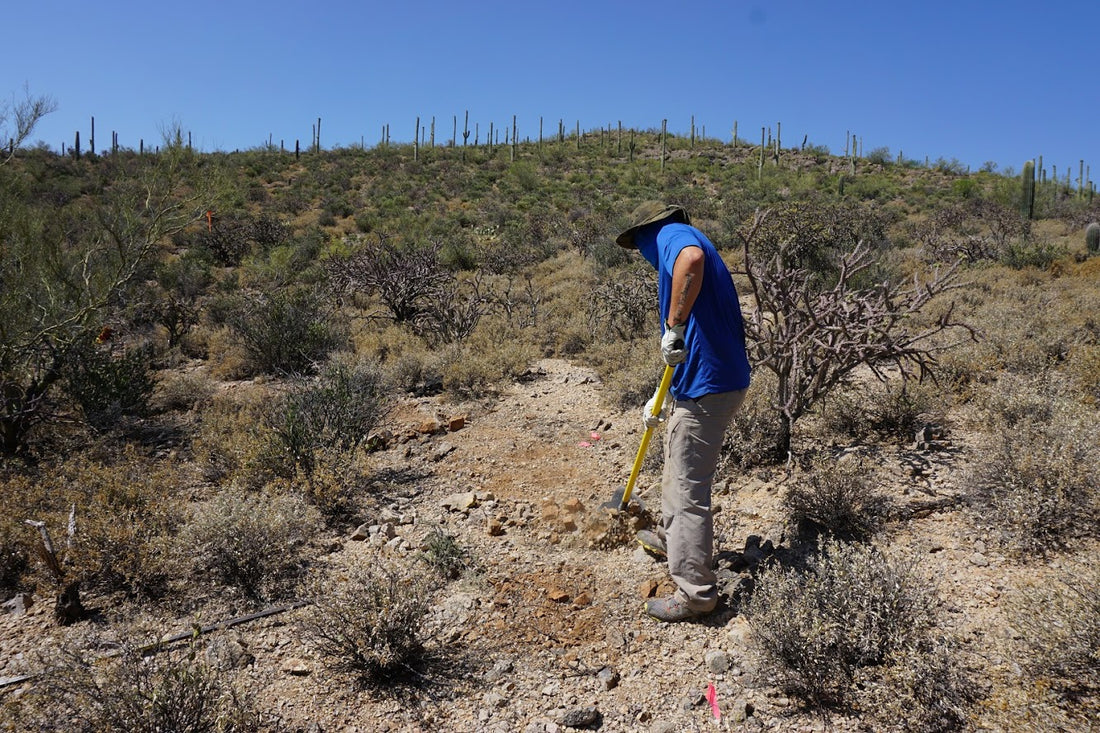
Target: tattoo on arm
x=678 y=315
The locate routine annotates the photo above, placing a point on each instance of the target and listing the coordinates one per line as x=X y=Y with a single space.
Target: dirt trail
x=552 y=621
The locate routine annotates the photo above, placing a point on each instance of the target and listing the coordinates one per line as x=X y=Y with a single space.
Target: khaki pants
x=693 y=439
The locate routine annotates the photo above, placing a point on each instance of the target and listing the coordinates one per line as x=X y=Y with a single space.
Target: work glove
x=672 y=345
x=648 y=418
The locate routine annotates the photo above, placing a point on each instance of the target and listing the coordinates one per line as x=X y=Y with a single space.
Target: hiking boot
x=652 y=543
x=671 y=609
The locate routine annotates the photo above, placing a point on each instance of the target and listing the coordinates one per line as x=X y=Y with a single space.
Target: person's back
x=715 y=334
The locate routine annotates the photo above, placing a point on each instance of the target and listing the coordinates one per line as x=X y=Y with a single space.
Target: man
x=703 y=338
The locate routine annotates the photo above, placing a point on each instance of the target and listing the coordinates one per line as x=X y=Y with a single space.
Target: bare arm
x=687 y=280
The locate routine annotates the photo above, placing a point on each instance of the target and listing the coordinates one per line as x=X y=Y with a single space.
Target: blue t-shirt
x=714 y=335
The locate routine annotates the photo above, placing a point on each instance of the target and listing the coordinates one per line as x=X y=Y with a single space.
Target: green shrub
x=287 y=332
x=253 y=543
x=369 y=622
x=838 y=498
x=108 y=386
x=1030 y=252
x=333 y=412
x=444 y=555
x=227 y=243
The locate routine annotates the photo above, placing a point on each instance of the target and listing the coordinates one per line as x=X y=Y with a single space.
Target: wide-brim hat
x=649 y=212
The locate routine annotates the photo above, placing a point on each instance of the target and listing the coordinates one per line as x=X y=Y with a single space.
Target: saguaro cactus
x=1092 y=238
x=1027 y=197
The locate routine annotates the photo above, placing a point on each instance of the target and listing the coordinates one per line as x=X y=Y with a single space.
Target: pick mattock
x=621 y=497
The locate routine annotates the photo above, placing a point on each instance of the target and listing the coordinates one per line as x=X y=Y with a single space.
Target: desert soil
x=549 y=629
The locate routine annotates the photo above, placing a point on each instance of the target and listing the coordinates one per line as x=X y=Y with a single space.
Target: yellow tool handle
x=662 y=390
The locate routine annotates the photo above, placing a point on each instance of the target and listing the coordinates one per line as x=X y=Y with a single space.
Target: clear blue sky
x=996 y=80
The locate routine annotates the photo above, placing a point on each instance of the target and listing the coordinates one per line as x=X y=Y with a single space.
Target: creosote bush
x=852 y=627
x=172 y=690
x=369 y=622
x=109 y=386
x=839 y=498
x=286 y=332
x=333 y=412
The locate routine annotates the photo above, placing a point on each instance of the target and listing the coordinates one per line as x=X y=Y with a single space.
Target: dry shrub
x=226 y=357
x=1059 y=627
x=1053 y=681
x=126 y=513
x=850 y=627
x=963 y=370
x=893 y=410
x=1031 y=321
x=232 y=439
x=405 y=359
x=485 y=364
x=838 y=498
x=173 y=690
x=1036 y=482
x=254 y=543
x=15 y=554
x=630 y=371
x=922 y=687
x=369 y=622
x=1084 y=370
x=184 y=391
x=753 y=436
x=565 y=281
x=622 y=306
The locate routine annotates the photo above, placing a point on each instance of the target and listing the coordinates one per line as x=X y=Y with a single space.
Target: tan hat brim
x=626 y=239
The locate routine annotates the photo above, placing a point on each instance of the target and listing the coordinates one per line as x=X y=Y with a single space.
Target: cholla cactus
x=1092 y=238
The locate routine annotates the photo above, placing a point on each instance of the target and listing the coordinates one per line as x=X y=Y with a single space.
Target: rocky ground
x=548 y=634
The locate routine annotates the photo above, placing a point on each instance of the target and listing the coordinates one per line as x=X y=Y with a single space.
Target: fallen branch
x=164 y=644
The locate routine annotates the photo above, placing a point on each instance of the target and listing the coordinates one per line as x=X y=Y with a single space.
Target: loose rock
x=581 y=717
x=717 y=662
